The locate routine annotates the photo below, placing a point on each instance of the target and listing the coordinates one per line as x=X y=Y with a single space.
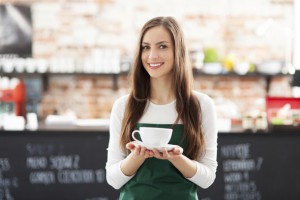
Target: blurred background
x=64 y=62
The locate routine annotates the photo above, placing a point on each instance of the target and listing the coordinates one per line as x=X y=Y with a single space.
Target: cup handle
x=133 y=133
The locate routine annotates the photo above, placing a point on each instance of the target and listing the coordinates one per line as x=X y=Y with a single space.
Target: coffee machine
x=12 y=100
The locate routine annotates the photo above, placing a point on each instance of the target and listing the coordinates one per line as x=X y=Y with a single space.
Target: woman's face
x=158 y=52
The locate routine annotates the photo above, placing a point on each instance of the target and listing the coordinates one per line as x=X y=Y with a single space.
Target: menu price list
x=255 y=167
x=6 y=182
x=63 y=169
x=238 y=165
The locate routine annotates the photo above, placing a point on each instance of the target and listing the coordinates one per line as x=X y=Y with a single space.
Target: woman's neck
x=162 y=91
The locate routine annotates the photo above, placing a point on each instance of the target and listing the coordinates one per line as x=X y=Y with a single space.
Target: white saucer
x=168 y=147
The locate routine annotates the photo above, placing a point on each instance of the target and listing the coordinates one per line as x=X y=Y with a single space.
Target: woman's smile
x=155 y=65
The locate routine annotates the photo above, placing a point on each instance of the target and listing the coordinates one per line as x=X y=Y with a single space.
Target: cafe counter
x=70 y=164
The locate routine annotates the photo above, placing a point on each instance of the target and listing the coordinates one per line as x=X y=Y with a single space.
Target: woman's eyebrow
x=146 y=43
x=162 y=42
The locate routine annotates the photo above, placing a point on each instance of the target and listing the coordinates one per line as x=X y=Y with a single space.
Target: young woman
x=162 y=96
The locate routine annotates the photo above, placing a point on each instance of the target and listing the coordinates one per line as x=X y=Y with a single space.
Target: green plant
x=210 y=55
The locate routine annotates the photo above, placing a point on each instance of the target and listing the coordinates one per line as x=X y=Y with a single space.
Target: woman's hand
x=135 y=159
x=168 y=155
x=139 y=151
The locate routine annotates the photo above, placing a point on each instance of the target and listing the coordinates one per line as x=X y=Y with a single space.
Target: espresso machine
x=12 y=100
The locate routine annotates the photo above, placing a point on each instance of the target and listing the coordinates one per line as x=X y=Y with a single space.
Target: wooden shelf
x=197 y=73
x=10 y=74
x=230 y=74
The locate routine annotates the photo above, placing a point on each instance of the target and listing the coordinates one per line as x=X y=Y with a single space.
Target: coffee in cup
x=154 y=136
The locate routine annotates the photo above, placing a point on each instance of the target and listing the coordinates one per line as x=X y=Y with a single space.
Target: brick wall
x=253 y=30
x=85 y=96
x=92 y=96
x=237 y=96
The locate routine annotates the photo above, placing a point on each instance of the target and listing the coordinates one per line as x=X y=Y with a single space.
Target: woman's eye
x=163 y=46
x=145 y=47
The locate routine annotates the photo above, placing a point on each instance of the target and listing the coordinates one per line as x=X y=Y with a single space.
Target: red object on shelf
x=7 y=96
x=19 y=98
x=279 y=102
x=273 y=103
x=16 y=96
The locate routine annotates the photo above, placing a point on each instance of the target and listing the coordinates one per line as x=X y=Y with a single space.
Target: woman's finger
x=130 y=146
x=165 y=153
x=143 y=150
x=157 y=154
x=148 y=154
x=151 y=154
x=177 y=150
x=137 y=150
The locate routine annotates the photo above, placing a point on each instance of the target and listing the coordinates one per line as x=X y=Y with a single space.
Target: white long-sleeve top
x=164 y=114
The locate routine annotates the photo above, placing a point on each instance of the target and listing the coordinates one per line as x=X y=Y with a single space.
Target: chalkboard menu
x=256 y=167
x=52 y=165
x=71 y=165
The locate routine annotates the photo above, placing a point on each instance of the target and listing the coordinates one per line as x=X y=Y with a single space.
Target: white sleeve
x=114 y=176
x=207 y=164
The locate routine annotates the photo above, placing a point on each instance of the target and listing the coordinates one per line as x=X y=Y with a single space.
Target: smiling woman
x=162 y=97
x=158 y=52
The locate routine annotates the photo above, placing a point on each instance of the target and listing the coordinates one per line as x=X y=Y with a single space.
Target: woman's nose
x=153 y=54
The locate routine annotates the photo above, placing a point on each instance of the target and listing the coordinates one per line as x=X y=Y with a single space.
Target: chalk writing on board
x=44 y=149
x=100 y=175
x=237 y=165
x=4 y=164
x=236 y=151
x=64 y=162
x=76 y=176
x=67 y=176
x=50 y=165
x=6 y=182
x=42 y=177
x=39 y=166
x=36 y=162
x=5 y=194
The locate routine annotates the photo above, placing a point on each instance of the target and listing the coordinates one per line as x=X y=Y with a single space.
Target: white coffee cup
x=154 y=136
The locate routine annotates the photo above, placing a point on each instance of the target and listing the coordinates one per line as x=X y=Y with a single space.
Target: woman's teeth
x=155 y=65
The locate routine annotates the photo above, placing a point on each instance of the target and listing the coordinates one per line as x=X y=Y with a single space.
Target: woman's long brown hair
x=187 y=105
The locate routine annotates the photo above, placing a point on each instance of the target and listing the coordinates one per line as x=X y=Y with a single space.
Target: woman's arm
x=114 y=175
x=135 y=159
x=119 y=167
x=207 y=164
x=186 y=166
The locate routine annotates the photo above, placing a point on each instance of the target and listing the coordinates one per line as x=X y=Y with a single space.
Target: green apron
x=158 y=179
